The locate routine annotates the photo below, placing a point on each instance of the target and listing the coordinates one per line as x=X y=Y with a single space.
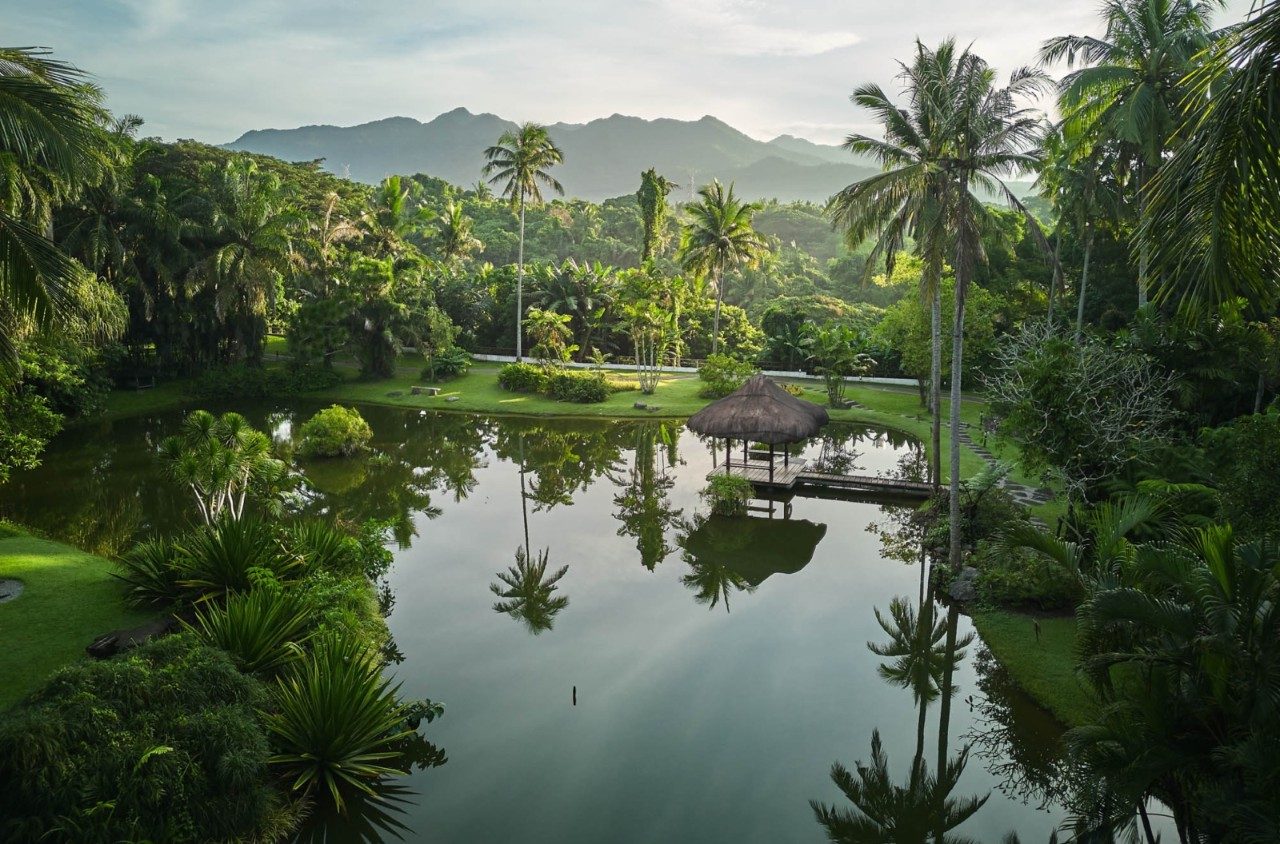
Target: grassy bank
x=1046 y=669
x=68 y=599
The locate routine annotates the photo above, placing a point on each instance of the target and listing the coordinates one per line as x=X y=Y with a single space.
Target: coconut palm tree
x=907 y=199
x=50 y=144
x=1078 y=178
x=718 y=237
x=519 y=162
x=1212 y=207
x=395 y=215
x=1130 y=83
x=454 y=231
x=993 y=134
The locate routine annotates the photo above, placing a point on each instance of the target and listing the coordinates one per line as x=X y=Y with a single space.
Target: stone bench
x=430 y=391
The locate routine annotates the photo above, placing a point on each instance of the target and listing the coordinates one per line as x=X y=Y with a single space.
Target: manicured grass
x=1046 y=669
x=69 y=598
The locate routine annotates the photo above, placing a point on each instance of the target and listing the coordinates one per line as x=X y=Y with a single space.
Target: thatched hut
x=761 y=412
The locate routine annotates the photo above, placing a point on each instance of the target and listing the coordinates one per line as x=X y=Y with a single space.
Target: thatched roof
x=760 y=411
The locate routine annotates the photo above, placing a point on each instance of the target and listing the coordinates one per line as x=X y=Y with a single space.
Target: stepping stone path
x=10 y=590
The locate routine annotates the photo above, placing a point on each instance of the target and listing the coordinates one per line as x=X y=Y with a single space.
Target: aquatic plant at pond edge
x=728 y=494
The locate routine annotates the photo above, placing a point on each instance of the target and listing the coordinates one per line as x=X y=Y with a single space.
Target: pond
x=704 y=673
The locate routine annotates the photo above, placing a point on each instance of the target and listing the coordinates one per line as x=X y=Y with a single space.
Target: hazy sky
x=211 y=69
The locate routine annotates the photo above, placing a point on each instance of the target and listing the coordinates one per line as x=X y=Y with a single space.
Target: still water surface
x=720 y=667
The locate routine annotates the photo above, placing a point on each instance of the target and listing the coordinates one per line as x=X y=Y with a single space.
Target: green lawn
x=1046 y=669
x=69 y=599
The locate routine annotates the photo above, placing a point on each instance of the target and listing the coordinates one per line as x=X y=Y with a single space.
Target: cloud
x=211 y=69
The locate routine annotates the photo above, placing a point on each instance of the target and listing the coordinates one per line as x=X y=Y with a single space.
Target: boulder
x=119 y=641
x=964 y=588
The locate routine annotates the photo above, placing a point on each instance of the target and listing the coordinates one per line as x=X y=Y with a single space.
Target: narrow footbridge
x=796 y=473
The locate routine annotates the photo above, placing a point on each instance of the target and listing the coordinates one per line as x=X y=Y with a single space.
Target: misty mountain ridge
x=603 y=158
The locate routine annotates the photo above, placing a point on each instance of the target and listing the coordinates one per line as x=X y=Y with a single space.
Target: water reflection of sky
x=692 y=723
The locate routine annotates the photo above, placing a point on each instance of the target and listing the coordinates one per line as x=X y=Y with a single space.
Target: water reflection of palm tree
x=923 y=810
x=712 y=581
x=643 y=507
x=529 y=592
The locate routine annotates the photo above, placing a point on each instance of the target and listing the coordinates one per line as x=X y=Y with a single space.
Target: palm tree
x=906 y=200
x=1077 y=178
x=1195 y=633
x=718 y=237
x=457 y=243
x=395 y=215
x=220 y=459
x=1212 y=207
x=584 y=291
x=528 y=592
x=992 y=135
x=1131 y=85
x=252 y=219
x=520 y=161
x=919 y=812
x=50 y=143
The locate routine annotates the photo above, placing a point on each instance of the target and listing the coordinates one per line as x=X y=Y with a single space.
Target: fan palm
x=584 y=291
x=50 y=142
x=1131 y=84
x=718 y=237
x=519 y=162
x=1213 y=207
x=907 y=199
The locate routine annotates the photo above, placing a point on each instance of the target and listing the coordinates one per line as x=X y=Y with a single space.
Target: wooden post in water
x=728 y=455
x=771 y=467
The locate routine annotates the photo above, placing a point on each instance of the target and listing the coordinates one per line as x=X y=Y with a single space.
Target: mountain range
x=602 y=158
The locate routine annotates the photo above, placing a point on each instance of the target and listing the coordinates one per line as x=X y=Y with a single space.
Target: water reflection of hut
x=754 y=548
x=760 y=412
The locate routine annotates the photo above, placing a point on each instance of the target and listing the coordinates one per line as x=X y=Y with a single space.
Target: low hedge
x=522 y=378
x=578 y=387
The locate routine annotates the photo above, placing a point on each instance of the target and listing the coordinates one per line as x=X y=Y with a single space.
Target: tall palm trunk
x=944 y=705
x=715 y=324
x=957 y=369
x=1055 y=278
x=520 y=287
x=935 y=377
x=1144 y=254
x=1084 y=282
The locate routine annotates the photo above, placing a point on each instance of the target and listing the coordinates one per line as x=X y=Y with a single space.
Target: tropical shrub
x=1015 y=577
x=522 y=378
x=1245 y=460
x=728 y=494
x=335 y=431
x=336 y=722
x=225 y=557
x=580 y=387
x=445 y=364
x=721 y=375
x=161 y=744
x=262 y=631
x=149 y=573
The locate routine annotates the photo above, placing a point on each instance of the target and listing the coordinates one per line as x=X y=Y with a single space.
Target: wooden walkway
x=795 y=474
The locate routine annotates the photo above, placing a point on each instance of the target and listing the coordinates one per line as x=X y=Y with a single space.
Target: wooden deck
x=796 y=474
